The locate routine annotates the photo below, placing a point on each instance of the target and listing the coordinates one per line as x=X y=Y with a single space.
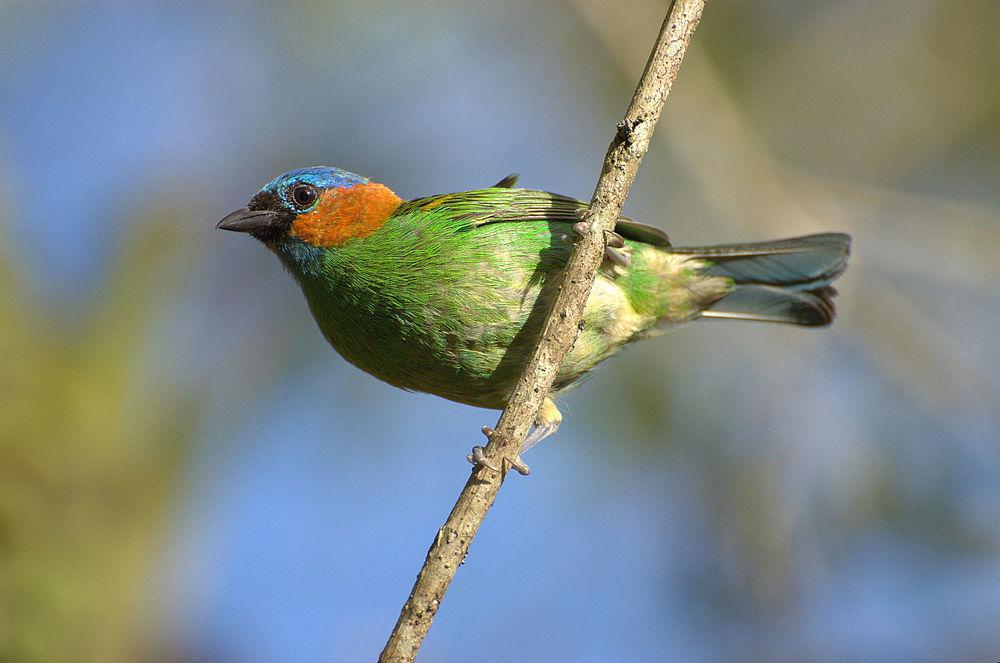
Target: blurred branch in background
x=765 y=198
x=908 y=246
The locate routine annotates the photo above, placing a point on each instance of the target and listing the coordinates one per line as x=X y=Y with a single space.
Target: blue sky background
x=728 y=492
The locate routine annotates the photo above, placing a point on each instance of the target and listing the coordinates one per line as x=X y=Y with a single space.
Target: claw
x=521 y=467
x=617 y=257
x=613 y=239
x=478 y=458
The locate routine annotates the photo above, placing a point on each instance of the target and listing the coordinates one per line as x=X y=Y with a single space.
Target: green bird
x=447 y=294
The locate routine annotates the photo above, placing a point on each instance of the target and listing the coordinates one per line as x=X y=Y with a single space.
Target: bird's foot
x=547 y=422
x=478 y=455
x=519 y=465
x=612 y=241
x=479 y=459
x=617 y=257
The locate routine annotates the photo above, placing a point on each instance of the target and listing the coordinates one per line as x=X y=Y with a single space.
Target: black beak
x=249 y=220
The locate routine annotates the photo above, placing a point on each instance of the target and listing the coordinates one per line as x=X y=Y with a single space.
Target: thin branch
x=558 y=336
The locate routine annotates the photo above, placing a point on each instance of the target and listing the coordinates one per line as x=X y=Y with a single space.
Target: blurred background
x=189 y=473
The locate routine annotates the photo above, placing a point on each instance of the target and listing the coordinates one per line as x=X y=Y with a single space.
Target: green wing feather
x=501 y=204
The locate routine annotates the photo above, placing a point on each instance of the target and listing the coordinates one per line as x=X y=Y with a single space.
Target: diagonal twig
x=559 y=332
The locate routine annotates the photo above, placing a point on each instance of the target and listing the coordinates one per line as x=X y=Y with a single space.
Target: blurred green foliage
x=881 y=119
x=89 y=450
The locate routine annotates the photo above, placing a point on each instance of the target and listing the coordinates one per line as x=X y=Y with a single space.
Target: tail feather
x=784 y=281
x=766 y=303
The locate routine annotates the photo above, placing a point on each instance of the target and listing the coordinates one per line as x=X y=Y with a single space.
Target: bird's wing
x=505 y=205
x=495 y=205
x=640 y=232
x=508 y=182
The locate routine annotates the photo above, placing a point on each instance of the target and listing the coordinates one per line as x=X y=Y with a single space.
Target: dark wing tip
x=507 y=182
x=640 y=232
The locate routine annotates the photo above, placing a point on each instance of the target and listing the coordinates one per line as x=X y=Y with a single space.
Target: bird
x=447 y=294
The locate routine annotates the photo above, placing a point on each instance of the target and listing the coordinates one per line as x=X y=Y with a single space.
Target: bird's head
x=319 y=207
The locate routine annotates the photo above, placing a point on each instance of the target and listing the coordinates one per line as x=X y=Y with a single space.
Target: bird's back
x=449 y=296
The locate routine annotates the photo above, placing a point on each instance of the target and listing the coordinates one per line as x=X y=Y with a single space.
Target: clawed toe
x=479 y=459
x=617 y=257
x=612 y=241
x=521 y=467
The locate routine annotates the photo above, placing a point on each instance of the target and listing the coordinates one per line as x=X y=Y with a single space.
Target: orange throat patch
x=345 y=214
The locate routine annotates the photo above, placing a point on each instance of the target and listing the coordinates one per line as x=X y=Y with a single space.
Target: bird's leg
x=547 y=422
x=521 y=467
x=612 y=240
x=479 y=459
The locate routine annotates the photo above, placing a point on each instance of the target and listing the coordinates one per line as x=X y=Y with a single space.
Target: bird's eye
x=303 y=195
